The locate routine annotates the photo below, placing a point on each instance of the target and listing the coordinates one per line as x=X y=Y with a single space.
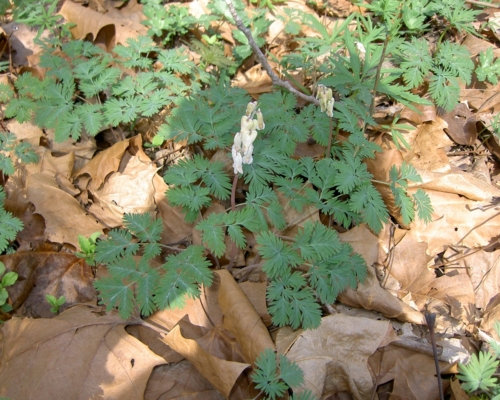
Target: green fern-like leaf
x=455 y=59
x=317 y=242
x=266 y=375
x=213 y=234
x=478 y=373
x=183 y=274
x=114 y=293
x=368 y=202
x=444 y=89
x=144 y=227
x=191 y=197
x=117 y=244
x=424 y=206
x=417 y=61
x=487 y=69
x=9 y=226
x=279 y=257
x=292 y=303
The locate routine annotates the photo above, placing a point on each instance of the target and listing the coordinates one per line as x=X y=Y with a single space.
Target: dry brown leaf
x=254 y=81
x=129 y=190
x=380 y=167
x=103 y=164
x=65 y=218
x=428 y=146
x=256 y=294
x=241 y=319
x=425 y=113
x=409 y=268
x=457 y=182
x=175 y=228
x=103 y=29
x=413 y=373
x=41 y=273
x=334 y=357
x=79 y=354
x=484 y=271
x=22 y=42
x=124 y=180
x=369 y=295
x=457 y=221
x=27 y=132
x=461 y=125
x=220 y=373
x=179 y=381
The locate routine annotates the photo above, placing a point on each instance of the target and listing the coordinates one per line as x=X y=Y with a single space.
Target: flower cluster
x=243 y=141
x=326 y=100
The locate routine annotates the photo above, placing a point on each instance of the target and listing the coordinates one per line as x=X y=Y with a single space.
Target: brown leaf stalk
x=431 y=322
x=263 y=60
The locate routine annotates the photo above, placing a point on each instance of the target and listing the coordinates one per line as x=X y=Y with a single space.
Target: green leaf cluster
x=487 y=68
x=134 y=283
x=331 y=268
x=8 y=279
x=13 y=151
x=167 y=23
x=276 y=374
x=55 y=303
x=451 y=62
x=85 y=90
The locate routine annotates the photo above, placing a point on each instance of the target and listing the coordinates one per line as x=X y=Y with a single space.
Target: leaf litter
x=207 y=349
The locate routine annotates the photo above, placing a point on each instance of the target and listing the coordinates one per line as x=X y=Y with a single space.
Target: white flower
x=242 y=149
x=362 y=50
x=237 y=161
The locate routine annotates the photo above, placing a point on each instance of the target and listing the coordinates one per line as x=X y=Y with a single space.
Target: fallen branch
x=263 y=60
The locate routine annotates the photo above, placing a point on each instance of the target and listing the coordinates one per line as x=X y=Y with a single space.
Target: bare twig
x=483 y=3
x=431 y=322
x=263 y=60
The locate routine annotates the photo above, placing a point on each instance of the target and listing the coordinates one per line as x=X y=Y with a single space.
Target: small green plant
x=7 y=280
x=487 y=68
x=55 y=303
x=12 y=152
x=167 y=23
x=478 y=374
x=134 y=285
x=274 y=375
x=88 y=247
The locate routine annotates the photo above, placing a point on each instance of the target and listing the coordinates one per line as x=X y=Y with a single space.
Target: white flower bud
x=250 y=108
x=329 y=107
x=260 y=120
x=237 y=161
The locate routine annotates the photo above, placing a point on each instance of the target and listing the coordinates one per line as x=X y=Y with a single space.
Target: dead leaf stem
x=233 y=209
x=431 y=321
x=263 y=60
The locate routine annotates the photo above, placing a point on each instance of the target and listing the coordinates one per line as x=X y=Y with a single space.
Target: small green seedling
x=88 y=247
x=7 y=280
x=55 y=303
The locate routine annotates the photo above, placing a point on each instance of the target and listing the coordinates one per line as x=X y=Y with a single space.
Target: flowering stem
x=330 y=139
x=233 y=208
x=262 y=58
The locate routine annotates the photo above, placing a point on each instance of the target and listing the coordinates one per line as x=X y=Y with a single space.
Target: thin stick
x=482 y=3
x=431 y=321
x=263 y=60
x=233 y=208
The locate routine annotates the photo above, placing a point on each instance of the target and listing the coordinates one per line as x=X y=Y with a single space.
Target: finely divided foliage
x=86 y=91
x=134 y=284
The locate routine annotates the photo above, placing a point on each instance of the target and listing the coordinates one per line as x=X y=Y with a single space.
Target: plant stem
x=330 y=139
x=233 y=208
x=263 y=60
x=377 y=76
x=431 y=321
